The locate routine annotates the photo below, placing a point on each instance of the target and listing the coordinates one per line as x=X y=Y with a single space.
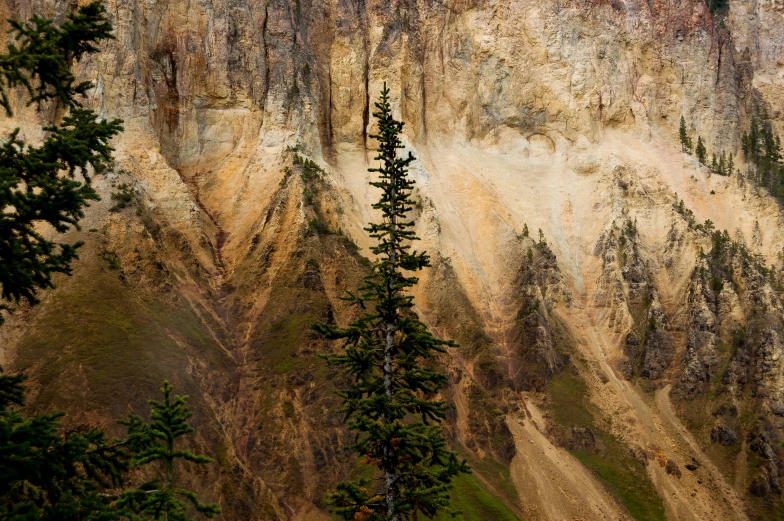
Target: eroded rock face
x=560 y=116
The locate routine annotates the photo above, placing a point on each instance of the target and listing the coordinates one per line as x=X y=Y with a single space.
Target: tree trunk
x=390 y=476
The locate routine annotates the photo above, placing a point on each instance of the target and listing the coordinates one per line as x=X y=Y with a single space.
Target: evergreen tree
x=762 y=148
x=730 y=164
x=390 y=404
x=41 y=184
x=753 y=142
x=47 y=475
x=684 y=137
x=721 y=170
x=714 y=166
x=155 y=444
x=701 y=152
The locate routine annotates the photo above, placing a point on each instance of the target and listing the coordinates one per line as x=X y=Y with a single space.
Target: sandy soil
x=699 y=495
x=552 y=483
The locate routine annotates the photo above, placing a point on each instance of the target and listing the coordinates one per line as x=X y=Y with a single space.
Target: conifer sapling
x=684 y=137
x=156 y=444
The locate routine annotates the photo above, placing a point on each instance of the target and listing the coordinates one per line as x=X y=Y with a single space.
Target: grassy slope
x=623 y=476
x=96 y=342
x=477 y=503
x=469 y=494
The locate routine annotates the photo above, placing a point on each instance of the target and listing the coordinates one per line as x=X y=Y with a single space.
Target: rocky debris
x=692 y=466
x=723 y=435
x=672 y=468
x=761 y=484
x=582 y=438
x=639 y=454
x=766 y=481
x=726 y=410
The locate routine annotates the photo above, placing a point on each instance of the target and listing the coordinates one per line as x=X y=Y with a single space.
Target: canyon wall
x=572 y=254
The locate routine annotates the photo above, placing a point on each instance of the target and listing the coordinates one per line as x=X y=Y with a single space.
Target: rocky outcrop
x=535 y=343
x=626 y=288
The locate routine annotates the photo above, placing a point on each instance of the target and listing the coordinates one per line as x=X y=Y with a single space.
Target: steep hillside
x=618 y=306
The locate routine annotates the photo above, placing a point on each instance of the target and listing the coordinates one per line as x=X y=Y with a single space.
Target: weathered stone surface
x=556 y=115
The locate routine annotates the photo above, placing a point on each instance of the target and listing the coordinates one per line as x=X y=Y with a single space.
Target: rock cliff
x=247 y=144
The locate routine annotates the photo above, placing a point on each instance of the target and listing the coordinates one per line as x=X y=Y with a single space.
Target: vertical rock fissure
x=266 y=60
x=366 y=112
x=424 y=101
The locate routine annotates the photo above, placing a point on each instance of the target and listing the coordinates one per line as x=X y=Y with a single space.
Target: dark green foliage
x=762 y=148
x=38 y=185
x=310 y=170
x=686 y=143
x=155 y=444
x=40 y=57
x=49 y=475
x=124 y=196
x=700 y=150
x=718 y=6
x=390 y=403
x=686 y=213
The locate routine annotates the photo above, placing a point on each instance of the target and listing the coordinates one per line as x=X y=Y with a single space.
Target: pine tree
x=40 y=184
x=390 y=404
x=701 y=152
x=721 y=169
x=48 y=475
x=155 y=444
x=754 y=141
x=730 y=164
x=714 y=166
x=686 y=143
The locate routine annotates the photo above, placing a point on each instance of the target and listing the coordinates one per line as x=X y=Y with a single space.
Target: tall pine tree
x=48 y=184
x=156 y=444
x=390 y=404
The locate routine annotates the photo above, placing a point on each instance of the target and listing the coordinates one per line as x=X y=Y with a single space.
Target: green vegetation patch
x=97 y=344
x=610 y=460
x=470 y=496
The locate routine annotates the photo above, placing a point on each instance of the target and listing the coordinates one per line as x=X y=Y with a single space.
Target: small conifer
x=156 y=444
x=50 y=475
x=686 y=142
x=700 y=150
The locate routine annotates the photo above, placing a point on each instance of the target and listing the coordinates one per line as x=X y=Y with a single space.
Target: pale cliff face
x=560 y=115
